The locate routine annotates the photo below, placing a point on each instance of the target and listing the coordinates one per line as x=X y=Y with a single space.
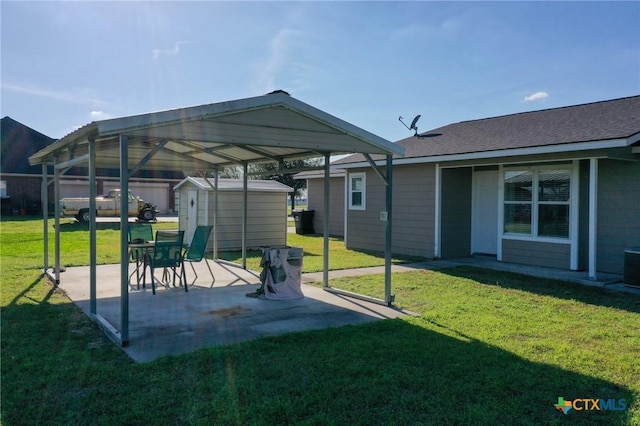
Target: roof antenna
x=413 y=124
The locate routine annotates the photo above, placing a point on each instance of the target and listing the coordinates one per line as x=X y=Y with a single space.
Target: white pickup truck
x=108 y=205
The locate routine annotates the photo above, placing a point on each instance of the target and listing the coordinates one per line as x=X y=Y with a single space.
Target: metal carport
x=269 y=128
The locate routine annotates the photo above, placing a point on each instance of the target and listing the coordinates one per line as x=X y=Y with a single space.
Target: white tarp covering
x=281 y=274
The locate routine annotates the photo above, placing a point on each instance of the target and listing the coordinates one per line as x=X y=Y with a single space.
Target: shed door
x=485 y=212
x=192 y=214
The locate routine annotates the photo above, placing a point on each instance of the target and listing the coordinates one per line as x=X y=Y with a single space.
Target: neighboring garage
x=266 y=225
x=156 y=193
x=159 y=194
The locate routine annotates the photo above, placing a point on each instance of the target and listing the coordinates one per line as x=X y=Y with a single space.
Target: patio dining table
x=146 y=247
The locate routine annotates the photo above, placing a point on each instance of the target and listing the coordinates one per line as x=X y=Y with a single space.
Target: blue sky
x=65 y=64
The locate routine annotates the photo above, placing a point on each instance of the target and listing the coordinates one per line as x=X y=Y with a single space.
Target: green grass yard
x=485 y=348
x=339 y=256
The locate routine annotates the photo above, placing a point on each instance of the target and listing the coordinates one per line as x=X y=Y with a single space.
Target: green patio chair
x=197 y=249
x=167 y=255
x=140 y=233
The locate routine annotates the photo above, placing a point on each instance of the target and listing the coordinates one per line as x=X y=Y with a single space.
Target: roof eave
x=511 y=152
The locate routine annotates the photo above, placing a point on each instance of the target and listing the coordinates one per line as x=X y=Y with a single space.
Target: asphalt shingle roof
x=17 y=143
x=606 y=120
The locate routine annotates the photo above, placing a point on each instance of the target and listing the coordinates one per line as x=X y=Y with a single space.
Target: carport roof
x=272 y=127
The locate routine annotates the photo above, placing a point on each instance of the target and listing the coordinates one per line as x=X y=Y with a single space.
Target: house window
x=537 y=202
x=357 y=195
x=3 y=189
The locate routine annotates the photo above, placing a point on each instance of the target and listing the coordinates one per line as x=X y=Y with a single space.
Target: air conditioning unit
x=632 y=267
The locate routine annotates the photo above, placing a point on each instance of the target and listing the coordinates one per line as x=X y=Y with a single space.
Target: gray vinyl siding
x=266 y=217
x=315 y=191
x=455 y=212
x=536 y=253
x=413 y=212
x=618 y=213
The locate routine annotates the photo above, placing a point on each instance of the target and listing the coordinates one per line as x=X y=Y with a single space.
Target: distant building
x=20 y=183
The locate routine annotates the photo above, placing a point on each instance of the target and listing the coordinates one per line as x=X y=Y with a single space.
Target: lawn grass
x=339 y=256
x=485 y=348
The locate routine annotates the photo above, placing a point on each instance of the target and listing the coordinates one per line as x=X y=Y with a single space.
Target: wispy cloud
x=75 y=96
x=157 y=53
x=285 y=67
x=536 y=96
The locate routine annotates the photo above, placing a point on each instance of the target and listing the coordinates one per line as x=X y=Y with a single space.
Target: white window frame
x=363 y=204
x=535 y=203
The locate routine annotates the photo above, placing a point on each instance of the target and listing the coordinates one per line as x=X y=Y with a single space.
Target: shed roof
x=253 y=185
x=271 y=127
x=611 y=123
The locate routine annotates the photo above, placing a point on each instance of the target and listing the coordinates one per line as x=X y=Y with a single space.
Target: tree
x=278 y=172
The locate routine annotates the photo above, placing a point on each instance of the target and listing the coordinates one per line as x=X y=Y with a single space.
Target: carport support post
x=325 y=221
x=124 y=245
x=245 y=200
x=215 y=213
x=44 y=196
x=92 y=227
x=388 y=298
x=56 y=221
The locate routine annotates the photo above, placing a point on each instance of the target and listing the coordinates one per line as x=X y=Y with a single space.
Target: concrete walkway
x=611 y=282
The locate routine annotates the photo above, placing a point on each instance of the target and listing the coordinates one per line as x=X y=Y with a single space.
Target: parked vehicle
x=108 y=205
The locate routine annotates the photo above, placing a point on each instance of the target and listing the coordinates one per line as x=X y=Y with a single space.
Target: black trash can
x=304 y=221
x=5 y=206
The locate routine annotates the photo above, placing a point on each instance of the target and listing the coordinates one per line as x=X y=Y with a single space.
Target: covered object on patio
x=271 y=128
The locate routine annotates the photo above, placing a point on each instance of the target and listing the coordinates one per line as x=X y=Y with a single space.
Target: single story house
x=557 y=188
x=21 y=183
x=266 y=220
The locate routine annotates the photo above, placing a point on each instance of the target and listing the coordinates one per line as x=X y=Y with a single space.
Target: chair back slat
x=139 y=233
x=142 y=232
x=198 y=245
x=167 y=250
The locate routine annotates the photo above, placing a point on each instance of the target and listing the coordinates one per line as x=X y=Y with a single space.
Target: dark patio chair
x=167 y=255
x=140 y=233
x=197 y=249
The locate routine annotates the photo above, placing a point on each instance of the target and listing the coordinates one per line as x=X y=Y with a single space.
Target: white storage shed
x=266 y=219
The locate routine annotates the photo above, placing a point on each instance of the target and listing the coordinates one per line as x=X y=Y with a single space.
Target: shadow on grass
x=547 y=287
x=24 y=294
x=384 y=372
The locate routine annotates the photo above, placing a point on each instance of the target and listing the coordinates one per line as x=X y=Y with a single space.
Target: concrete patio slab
x=174 y=322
